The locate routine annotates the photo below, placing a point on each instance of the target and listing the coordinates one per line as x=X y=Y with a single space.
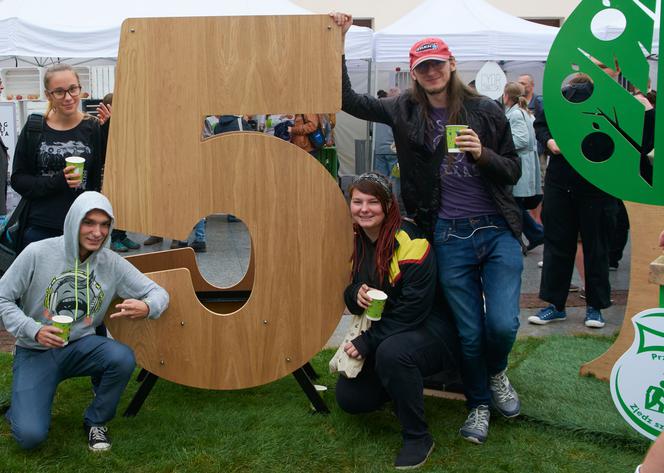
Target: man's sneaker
x=594 y=318
x=131 y=244
x=153 y=240
x=199 y=246
x=476 y=427
x=414 y=453
x=546 y=315
x=178 y=244
x=98 y=439
x=118 y=247
x=503 y=396
x=540 y=264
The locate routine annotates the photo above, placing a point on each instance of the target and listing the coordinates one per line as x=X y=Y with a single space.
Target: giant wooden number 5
x=162 y=178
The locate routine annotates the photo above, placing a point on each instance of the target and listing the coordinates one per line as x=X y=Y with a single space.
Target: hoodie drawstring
x=87 y=291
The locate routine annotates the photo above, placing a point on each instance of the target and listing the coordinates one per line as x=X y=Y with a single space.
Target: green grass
x=271 y=428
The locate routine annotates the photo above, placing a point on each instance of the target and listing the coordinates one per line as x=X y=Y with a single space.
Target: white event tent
x=80 y=32
x=83 y=29
x=474 y=29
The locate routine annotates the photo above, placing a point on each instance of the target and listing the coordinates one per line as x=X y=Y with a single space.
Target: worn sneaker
x=118 y=247
x=199 y=246
x=131 y=244
x=503 y=396
x=476 y=427
x=153 y=240
x=178 y=244
x=98 y=439
x=414 y=453
x=594 y=318
x=546 y=315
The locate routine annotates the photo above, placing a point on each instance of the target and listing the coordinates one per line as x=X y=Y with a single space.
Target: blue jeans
x=199 y=230
x=383 y=164
x=532 y=230
x=479 y=268
x=37 y=373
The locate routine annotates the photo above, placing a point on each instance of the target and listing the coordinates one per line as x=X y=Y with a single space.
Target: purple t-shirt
x=462 y=191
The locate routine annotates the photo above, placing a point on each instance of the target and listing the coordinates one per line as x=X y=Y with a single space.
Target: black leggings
x=395 y=373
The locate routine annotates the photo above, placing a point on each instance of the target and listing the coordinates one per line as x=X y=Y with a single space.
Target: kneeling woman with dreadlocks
x=413 y=339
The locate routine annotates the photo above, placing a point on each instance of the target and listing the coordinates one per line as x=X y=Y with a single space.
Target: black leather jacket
x=500 y=166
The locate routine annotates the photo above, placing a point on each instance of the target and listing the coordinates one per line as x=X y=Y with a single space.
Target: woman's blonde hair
x=517 y=94
x=47 y=79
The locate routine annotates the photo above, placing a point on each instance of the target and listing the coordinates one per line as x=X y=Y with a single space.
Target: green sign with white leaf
x=602 y=137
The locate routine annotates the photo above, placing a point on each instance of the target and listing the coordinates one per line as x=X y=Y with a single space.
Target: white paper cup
x=375 y=310
x=451 y=132
x=78 y=162
x=63 y=322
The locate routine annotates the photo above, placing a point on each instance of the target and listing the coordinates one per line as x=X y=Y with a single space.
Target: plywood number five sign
x=162 y=178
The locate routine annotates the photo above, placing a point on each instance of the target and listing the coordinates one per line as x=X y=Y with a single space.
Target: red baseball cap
x=429 y=49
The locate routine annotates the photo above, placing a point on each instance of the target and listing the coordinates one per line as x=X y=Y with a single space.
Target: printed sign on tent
x=491 y=80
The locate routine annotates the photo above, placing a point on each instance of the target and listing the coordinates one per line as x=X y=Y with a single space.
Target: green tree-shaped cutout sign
x=602 y=137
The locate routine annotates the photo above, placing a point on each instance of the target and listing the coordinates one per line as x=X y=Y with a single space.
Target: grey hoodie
x=49 y=279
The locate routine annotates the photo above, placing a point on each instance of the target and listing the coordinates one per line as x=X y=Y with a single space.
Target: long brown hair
x=517 y=94
x=457 y=92
x=379 y=187
x=47 y=79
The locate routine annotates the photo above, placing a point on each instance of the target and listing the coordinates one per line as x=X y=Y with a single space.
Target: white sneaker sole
x=594 y=324
x=533 y=319
x=472 y=439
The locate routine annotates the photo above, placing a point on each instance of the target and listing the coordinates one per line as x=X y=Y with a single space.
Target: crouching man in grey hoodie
x=75 y=275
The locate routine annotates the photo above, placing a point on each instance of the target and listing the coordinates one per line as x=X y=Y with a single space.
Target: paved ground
x=227 y=259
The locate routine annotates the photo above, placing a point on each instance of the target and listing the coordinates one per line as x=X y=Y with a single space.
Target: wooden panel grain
x=172 y=72
x=162 y=178
x=186 y=258
x=646 y=223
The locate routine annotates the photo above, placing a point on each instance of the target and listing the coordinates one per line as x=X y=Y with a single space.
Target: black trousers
x=618 y=238
x=395 y=373
x=566 y=213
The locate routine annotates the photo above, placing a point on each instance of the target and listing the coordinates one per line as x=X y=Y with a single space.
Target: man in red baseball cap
x=462 y=198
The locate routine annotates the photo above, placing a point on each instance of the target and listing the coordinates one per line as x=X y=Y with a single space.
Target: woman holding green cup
x=41 y=173
x=411 y=339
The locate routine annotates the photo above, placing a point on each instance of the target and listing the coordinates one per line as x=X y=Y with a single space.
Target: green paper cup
x=78 y=162
x=63 y=322
x=451 y=132
x=375 y=309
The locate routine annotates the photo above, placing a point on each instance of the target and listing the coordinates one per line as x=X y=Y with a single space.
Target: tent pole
x=368 y=149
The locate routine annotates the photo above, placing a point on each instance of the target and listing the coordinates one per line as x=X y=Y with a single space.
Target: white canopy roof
x=473 y=29
x=610 y=23
x=84 y=29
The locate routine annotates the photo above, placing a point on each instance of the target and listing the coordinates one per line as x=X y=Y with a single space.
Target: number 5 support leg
x=147 y=381
x=310 y=390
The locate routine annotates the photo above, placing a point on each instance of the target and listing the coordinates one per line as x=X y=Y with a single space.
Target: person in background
x=40 y=173
x=299 y=132
x=413 y=338
x=385 y=154
x=523 y=135
x=573 y=206
x=75 y=275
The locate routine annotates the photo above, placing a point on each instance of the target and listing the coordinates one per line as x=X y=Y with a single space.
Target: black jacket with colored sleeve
x=410 y=287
